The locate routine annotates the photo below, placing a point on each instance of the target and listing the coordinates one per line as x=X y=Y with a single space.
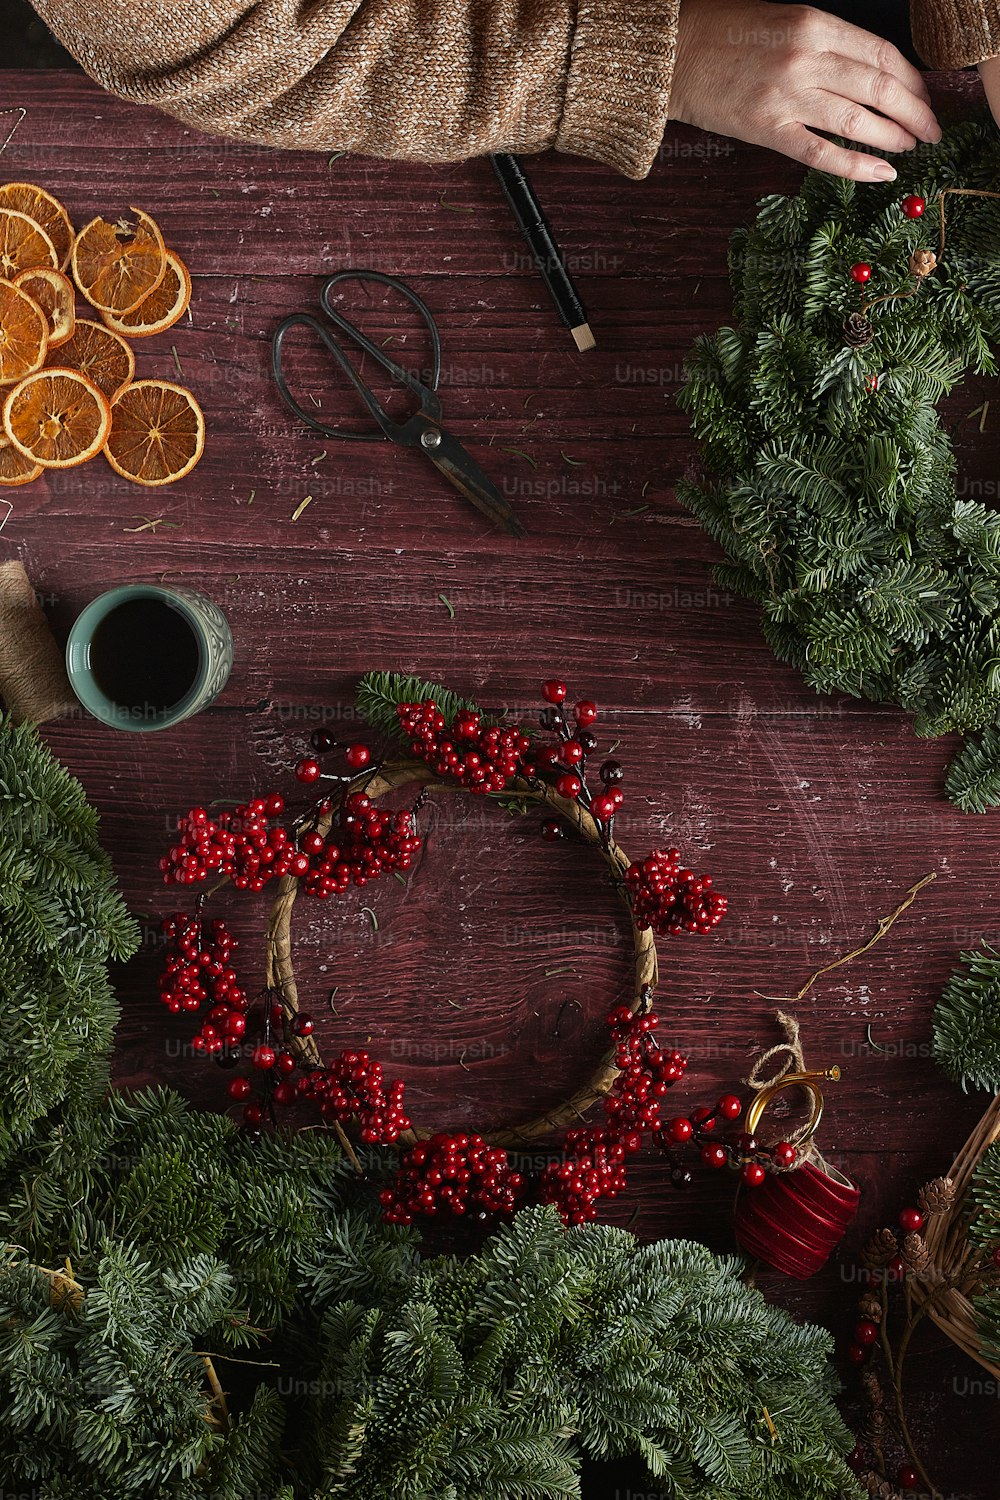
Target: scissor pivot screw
x=431 y=438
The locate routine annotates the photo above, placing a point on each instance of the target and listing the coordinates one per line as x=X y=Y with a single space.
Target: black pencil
x=541 y=242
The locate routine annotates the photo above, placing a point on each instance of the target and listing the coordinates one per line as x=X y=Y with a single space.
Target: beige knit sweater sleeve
x=428 y=80
x=955 y=33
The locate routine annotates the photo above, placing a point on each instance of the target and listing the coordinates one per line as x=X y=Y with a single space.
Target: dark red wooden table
x=815 y=815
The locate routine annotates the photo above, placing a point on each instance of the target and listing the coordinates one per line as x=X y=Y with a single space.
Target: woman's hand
x=774 y=75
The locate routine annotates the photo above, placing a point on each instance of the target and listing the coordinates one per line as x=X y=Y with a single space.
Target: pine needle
x=373 y=917
x=448 y=605
x=520 y=453
x=150 y=523
x=871 y=1040
x=301 y=507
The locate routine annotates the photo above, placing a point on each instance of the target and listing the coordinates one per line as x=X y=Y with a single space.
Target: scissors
x=423 y=429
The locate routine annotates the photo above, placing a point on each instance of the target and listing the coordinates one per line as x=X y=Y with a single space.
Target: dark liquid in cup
x=144 y=656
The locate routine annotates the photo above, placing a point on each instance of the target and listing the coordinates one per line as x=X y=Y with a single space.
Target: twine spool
x=390 y=777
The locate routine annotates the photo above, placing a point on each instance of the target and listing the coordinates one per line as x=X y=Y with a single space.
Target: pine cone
x=922 y=263
x=857 y=330
x=879 y=1487
x=870 y=1307
x=937 y=1197
x=874 y=1425
x=880 y=1250
x=915 y=1254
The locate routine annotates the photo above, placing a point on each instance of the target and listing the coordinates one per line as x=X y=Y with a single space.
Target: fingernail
x=882 y=172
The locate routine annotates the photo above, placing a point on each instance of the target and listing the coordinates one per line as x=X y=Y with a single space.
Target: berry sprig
x=452 y=1174
x=594 y=1168
x=198 y=970
x=738 y=1150
x=240 y=844
x=483 y=758
x=671 y=899
x=567 y=760
x=353 y=1087
x=362 y=844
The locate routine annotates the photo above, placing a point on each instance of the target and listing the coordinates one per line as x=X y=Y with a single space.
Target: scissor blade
x=458 y=465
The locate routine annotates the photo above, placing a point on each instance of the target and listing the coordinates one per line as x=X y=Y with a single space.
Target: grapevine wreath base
x=831 y=481
x=342 y=839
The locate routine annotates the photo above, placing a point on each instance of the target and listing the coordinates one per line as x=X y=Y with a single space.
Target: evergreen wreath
x=142 y=1241
x=830 y=479
x=342 y=840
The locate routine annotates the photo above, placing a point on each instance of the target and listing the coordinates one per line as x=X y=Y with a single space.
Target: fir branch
x=379 y=695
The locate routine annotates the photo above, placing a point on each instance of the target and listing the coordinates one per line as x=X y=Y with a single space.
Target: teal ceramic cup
x=143 y=657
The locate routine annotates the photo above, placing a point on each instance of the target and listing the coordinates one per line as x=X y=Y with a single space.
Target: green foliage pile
x=830 y=479
x=61 y=921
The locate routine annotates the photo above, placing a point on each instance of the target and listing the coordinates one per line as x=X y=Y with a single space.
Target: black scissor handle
x=388 y=426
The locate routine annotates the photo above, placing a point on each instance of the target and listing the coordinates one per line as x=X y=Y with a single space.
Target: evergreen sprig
x=830 y=479
x=984 y=1231
x=380 y=694
x=967 y=1021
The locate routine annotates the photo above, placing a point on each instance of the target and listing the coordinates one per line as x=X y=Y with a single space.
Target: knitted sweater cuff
x=956 y=33
x=620 y=69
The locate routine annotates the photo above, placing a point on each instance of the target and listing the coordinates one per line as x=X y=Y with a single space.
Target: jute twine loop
x=791 y=1048
x=280 y=973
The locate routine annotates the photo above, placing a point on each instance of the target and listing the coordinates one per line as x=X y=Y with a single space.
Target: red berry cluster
x=452 y=1174
x=567 y=759
x=480 y=757
x=240 y=844
x=670 y=899
x=594 y=1168
x=740 y=1150
x=353 y=1087
x=198 y=969
x=595 y=1156
x=362 y=844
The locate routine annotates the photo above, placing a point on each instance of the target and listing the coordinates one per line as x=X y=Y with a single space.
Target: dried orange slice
x=102 y=356
x=14 y=467
x=161 y=309
x=23 y=244
x=55 y=296
x=157 y=432
x=24 y=333
x=57 y=418
x=46 y=211
x=116 y=265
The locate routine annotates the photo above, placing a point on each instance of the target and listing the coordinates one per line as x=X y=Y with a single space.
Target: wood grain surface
x=487 y=976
